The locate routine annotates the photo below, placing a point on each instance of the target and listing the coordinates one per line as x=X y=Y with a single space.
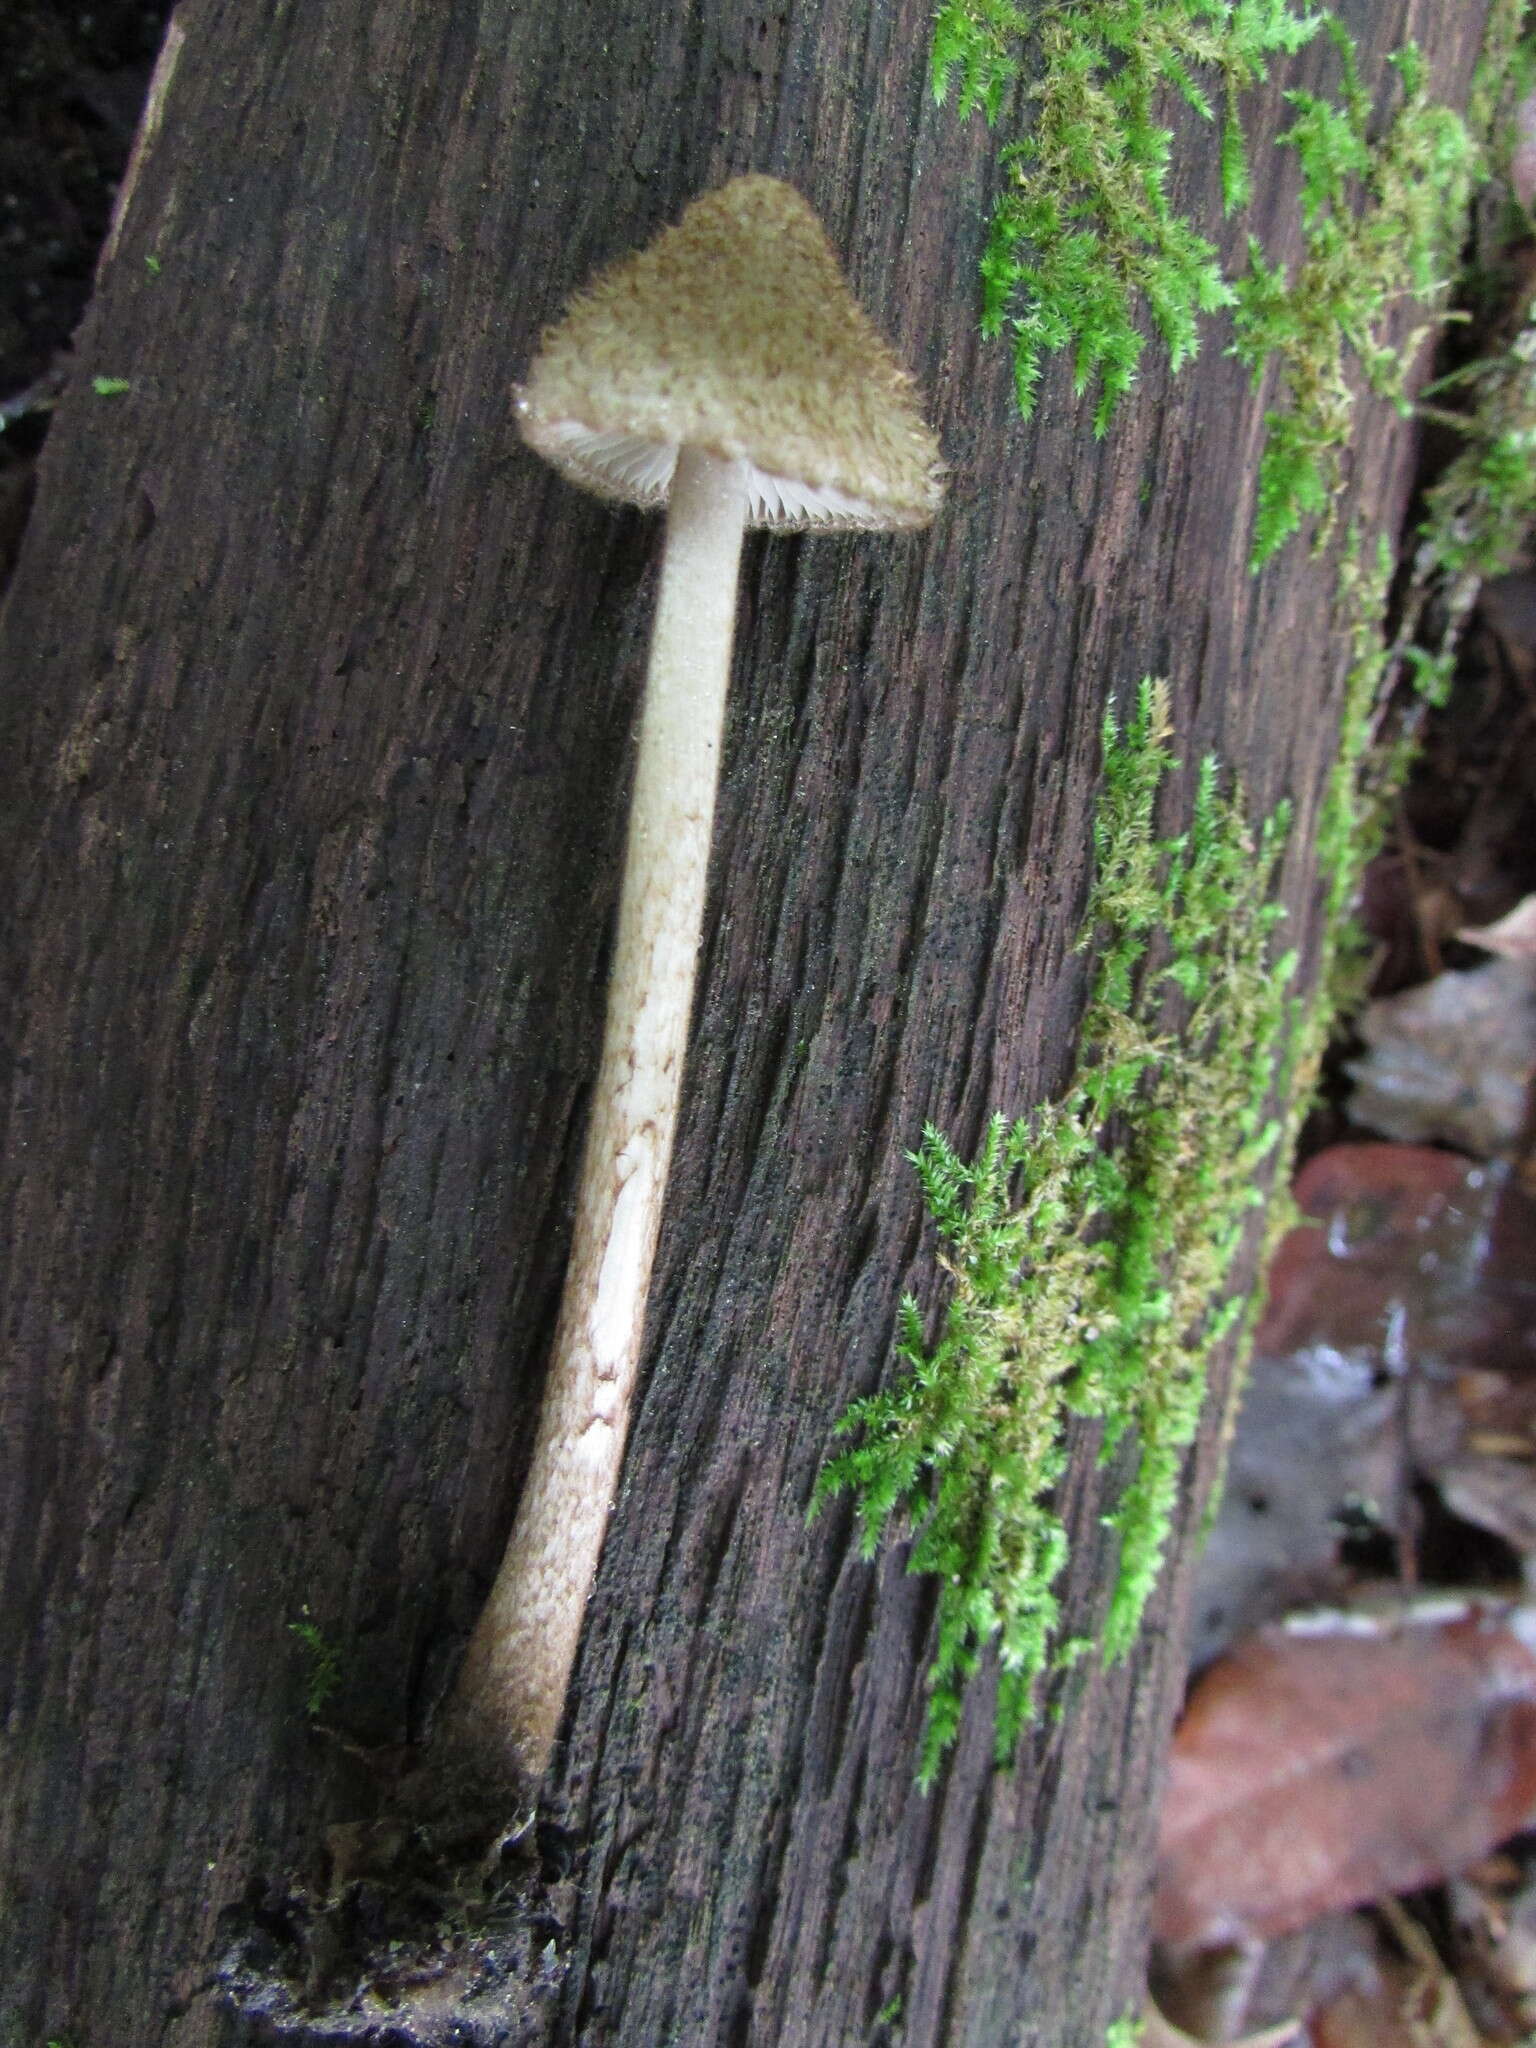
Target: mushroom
x=726 y=373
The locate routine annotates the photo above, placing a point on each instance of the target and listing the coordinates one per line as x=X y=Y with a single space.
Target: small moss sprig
x=324 y=1678
x=1501 y=80
x=1380 y=218
x=1086 y=233
x=1089 y=1244
x=1480 y=513
x=1085 y=242
x=1363 y=777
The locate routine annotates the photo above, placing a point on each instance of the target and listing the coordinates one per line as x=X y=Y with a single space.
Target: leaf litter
x=1362 y=1718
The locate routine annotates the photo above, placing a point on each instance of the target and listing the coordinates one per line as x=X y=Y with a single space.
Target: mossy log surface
x=317 y=698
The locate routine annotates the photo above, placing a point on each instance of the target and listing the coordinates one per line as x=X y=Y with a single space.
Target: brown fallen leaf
x=1497 y=1494
x=1385 y=2017
x=1514 y=935
x=1398 y=1248
x=1451 y=1060
x=1324 y=1767
x=1491 y=1911
x=1397 y=1346
x=1431 y=1999
x=1156 y=2032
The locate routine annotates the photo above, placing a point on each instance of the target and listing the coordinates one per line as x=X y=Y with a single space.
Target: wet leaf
x=1451 y=1060
x=1397 y=1345
x=1514 y=935
x=1157 y=2032
x=1324 y=1767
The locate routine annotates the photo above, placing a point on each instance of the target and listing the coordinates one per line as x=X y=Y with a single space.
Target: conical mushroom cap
x=734 y=331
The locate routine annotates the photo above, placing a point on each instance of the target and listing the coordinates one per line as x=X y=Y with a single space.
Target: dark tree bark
x=317 y=695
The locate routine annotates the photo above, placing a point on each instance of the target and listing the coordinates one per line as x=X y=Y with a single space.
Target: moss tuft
x=1089 y=1244
x=1086 y=247
x=1381 y=216
x=1085 y=234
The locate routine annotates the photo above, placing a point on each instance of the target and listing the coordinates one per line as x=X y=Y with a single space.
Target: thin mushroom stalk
x=726 y=373
x=516 y=1670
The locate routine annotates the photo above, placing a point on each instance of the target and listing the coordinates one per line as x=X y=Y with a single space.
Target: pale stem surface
x=511 y=1689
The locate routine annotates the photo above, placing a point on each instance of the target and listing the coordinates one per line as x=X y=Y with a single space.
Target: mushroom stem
x=510 y=1695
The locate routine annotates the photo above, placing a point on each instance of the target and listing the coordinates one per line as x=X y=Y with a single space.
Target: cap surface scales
x=734 y=331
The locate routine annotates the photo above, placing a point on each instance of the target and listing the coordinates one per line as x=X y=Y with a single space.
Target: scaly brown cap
x=734 y=331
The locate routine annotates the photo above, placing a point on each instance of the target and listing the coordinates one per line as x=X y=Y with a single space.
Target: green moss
x=1125 y=2033
x=1481 y=512
x=1085 y=234
x=1086 y=246
x=1381 y=216
x=1362 y=780
x=1505 y=73
x=1090 y=1244
x=1352 y=818
x=324 y=1664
